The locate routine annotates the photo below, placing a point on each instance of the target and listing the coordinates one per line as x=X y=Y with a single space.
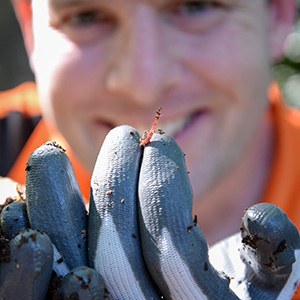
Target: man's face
x=103 y=63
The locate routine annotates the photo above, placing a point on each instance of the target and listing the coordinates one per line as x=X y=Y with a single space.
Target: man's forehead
x=75 y=2
x=158 y=2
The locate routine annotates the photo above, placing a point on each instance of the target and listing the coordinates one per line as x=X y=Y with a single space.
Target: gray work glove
x=142 y=237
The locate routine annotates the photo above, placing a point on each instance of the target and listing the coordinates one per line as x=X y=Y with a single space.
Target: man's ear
x=23 y=12
x=283 y=17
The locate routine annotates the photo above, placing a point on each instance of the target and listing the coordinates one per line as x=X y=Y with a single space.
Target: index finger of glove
x=174 y=248
x=114 y=243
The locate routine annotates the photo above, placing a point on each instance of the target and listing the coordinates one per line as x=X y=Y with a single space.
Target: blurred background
x=14 y=67
x=287 y=71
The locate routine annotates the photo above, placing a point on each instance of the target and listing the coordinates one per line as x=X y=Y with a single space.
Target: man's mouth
x=178 y=128
x=172 y=128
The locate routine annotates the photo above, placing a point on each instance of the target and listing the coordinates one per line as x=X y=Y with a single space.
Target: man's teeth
x=171 y=128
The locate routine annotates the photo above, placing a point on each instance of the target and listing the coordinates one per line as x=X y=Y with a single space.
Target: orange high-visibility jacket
x=21 y=106
x=22 y=127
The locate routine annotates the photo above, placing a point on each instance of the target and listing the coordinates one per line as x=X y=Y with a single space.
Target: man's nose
x=142 y=67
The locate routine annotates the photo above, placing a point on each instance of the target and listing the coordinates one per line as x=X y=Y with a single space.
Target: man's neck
x=220 y=212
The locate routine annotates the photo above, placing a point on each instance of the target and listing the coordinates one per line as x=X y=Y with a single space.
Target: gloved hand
x=142 y=237
x=55 y=206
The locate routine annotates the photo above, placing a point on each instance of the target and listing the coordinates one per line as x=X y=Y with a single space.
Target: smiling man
x=102 y=63
x=99 y=64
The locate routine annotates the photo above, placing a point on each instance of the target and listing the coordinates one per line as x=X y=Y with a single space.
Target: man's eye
x=196 y=15
x=84 y=25
x=86 y=18
x=195 y=7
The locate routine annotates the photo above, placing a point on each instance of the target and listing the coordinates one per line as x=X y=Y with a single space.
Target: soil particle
x=144 y=135
x=270 y=264
x=24 y=240
x=85 y=285
x=56 y=144
x=206 y=266
x=195 y=221
x=282 y=246
x=189 y=229
x=78 y=278
x=60 y=260
x=251 y=240
x=8 y=201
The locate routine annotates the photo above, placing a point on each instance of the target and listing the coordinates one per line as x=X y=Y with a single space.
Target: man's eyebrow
x=59 y=3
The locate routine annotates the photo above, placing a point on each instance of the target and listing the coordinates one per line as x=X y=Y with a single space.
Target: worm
x=55 y=204
x=145 y=139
